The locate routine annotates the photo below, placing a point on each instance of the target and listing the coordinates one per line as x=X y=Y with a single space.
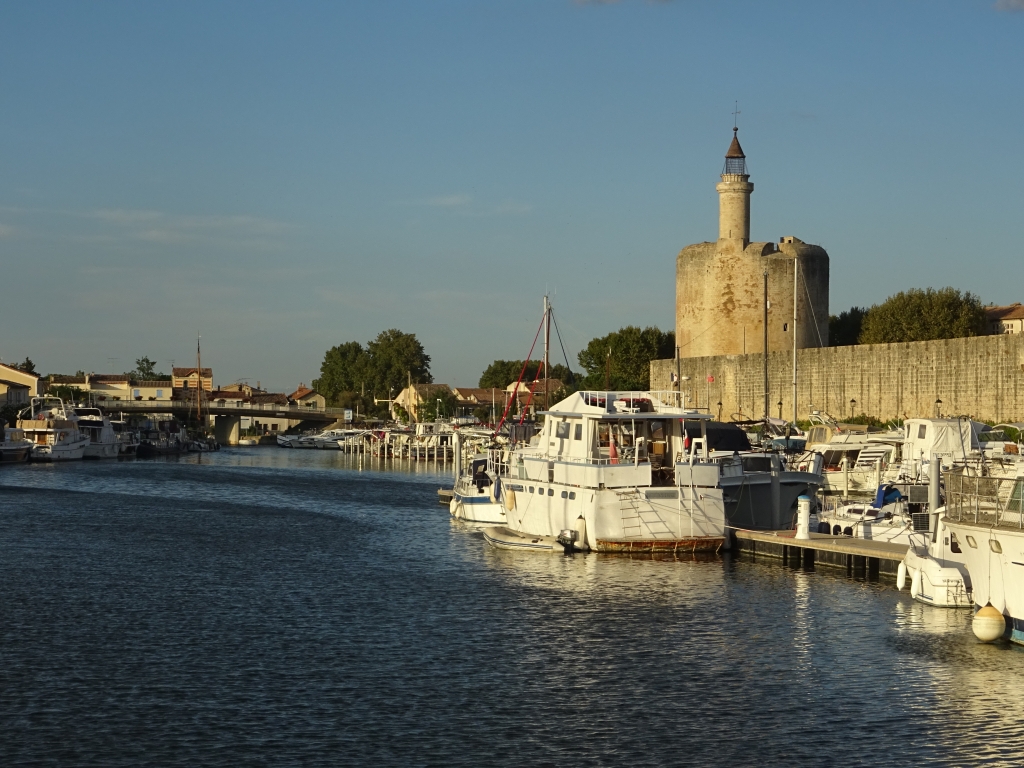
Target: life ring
x=62 y=435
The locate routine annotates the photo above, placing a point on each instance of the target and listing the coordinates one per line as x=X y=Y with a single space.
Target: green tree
x=844 y=328
x=345 y=369
x=394 y=357
x=27 y=367
x=145 y=370
x=501 y=373
x=380 y=369
x=922 y=315
x=631 y=352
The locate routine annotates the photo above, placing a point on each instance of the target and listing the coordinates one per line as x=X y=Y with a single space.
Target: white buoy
x=915 y=583
x=901 y=576
x=988 y=624
x=803 y=518
x=581 y=528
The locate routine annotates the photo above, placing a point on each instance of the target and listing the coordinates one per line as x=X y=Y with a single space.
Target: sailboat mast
x=199 y=383
x=766 y=406
x=796 y=268
x=547 y=339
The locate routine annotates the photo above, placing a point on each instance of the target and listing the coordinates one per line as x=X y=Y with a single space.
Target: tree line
x=912 y=315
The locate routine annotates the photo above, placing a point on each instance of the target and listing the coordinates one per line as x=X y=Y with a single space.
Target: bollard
x=803 y=518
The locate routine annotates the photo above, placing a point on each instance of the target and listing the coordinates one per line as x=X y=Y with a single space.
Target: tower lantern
x=734 y=195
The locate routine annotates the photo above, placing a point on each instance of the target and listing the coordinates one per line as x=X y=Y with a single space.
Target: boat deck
x=873 y=558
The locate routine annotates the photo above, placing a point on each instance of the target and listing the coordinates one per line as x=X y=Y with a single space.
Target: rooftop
x=1011 y=312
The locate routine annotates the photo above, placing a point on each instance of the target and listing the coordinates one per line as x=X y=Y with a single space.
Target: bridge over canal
x=228 y=416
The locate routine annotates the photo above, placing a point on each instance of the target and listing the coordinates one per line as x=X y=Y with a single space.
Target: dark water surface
x=272 y=607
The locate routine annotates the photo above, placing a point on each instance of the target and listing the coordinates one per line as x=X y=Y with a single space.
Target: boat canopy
x=952 y=438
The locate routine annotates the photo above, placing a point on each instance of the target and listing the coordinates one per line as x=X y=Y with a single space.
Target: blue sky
x=283 y=177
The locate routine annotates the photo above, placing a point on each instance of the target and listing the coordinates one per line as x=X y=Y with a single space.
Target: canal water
x=271 y=607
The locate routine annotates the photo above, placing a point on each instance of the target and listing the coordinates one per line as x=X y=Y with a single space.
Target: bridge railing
x=180 y=405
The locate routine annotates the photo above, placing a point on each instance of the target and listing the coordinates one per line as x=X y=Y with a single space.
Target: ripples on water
x=272 y=607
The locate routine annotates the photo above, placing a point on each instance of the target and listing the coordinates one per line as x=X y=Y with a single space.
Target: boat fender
x=837 y=531
x=510 y=499
x=581 y=529
x=988 y=624
x=901 y=576
x=915 y=583
x=848 y=531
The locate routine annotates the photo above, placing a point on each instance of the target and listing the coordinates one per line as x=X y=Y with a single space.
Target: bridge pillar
x=226 y=429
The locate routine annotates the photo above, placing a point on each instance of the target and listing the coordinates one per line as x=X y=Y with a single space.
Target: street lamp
x=779 y=404
x=719 y=410
x=437 y=413
x=853 y=404
x=938 y=408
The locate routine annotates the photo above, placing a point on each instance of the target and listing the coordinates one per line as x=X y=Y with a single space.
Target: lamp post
x=938 y=408
x=719 y=410
x=779 y=404
x=684 y=394
x=853 y=404
x=437 y=413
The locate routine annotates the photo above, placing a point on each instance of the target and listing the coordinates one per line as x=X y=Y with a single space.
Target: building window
x=159 y=393
x=136 y=393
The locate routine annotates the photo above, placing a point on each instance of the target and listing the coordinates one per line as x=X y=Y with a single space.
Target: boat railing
x=987 y=500
x=637 y=399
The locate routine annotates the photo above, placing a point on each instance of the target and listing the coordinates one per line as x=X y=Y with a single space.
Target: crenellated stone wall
x=981 y=377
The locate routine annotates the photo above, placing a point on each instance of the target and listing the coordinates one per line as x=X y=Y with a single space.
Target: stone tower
x=720 y=286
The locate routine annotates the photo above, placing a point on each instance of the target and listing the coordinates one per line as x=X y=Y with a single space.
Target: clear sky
x=282 y=177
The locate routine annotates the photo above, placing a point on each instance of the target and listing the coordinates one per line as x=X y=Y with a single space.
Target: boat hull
x=101 y=451
x=15 y=454
x=59 y=452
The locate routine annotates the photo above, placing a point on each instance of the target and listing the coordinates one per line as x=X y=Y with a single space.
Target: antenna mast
x=547 y=340
x=199 y=383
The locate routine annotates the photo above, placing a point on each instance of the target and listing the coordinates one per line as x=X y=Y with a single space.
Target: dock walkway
x=872 y=558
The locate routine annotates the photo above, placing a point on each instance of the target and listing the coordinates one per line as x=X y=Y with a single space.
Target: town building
x=188 y=378
x=15 y=378
x=308 y=398
x=720 y=286
x=1009 y=319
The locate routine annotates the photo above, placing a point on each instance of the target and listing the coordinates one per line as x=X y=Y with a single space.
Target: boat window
x=922 y=431
x=562 y=430
x=954 y=545
x=565 y=494
x=572 y=494
x=757 y=463
x=995 y=546
x=578 y=433
x=971 y=542
x=531 y=489
x=551 y=491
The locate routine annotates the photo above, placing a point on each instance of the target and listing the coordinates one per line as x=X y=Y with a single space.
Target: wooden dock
x=856 y=556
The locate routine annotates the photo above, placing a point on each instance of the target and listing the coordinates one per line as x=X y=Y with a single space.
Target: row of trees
x=913 y=315
x=353 y=375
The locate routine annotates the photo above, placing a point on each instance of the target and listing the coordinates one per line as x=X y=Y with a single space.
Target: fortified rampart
x=982 y=377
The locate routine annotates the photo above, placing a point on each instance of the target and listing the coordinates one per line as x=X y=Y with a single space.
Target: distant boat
x=53 y=430
x=103 y=443
x=248 y=441
x=14 y=448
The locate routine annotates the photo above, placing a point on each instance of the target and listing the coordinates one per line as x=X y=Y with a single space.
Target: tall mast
x=796 y=267
x=766 y=406
x=199 y=383
x=547 y=339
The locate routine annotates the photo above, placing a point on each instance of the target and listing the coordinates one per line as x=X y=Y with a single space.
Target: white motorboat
x=600 y=475
x=53 y=430
x=986 y=515
x=477 y=495
x=103 y=443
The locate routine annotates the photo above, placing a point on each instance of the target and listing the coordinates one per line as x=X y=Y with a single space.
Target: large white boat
x=986 y=517
x=53 y=430
x=103 y=443
x=613 y=472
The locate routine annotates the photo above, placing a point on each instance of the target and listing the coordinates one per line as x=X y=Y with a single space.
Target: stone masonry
x=982 y=377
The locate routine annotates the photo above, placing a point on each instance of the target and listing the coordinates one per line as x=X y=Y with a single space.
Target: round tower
x=720 y=285
x=734 y=195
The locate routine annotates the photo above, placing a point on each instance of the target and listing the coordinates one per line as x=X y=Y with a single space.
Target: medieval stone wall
x=982 y=377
